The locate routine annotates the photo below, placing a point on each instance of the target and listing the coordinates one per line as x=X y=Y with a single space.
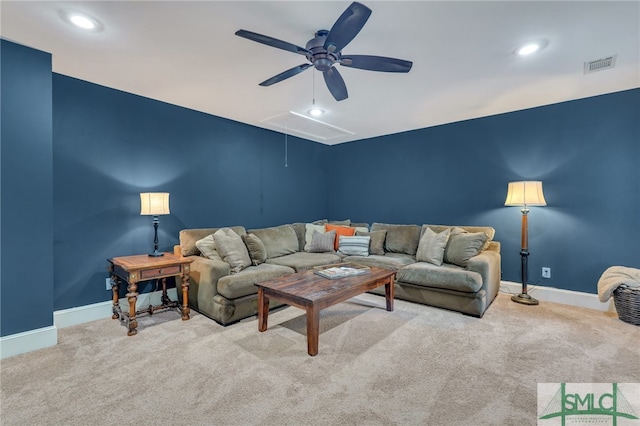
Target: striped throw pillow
x=354 y=246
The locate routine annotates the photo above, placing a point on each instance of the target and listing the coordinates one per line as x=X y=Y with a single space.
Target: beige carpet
x=414 y=366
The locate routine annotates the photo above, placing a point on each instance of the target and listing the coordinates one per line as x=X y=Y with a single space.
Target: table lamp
x=154 y=204
x=524 y=194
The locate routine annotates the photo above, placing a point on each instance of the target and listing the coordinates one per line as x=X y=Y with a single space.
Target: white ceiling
x=186 y=53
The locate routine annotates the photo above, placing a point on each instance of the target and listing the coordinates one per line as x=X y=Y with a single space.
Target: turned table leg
x=185 y=294
x=132 y=297
x=115 y=285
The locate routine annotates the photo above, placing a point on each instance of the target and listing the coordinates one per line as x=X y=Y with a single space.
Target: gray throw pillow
x=322 y=242
x=256 y=248
x=232 y=249
x=354 y=246
x=376 y=244
x=207 y=247
x=432 y=245
x=310 y=228
x=463 y=246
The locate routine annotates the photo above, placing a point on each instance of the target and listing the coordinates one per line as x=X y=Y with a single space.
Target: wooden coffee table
x=312 y=293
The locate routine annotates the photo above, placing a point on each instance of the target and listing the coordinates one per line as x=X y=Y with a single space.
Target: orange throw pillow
x=346 y=231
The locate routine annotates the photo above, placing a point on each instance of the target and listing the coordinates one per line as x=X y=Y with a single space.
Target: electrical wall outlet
x=108 y=281
x=546 y=272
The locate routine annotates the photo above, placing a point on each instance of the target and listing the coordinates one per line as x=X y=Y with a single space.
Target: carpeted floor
x=415 y=366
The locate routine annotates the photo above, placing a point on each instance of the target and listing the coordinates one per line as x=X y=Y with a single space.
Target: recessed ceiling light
x=316 y=112
x=81 y=20
x=528 y=49
x=531 y=47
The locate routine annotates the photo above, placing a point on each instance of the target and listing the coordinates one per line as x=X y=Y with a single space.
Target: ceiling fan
x=325 y=50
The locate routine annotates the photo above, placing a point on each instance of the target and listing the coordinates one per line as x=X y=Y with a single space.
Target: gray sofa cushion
x=400 y=238
x=322 y=242
x=376 y=245
x=445 y=276
x=243 y=283
x=490 y=231
x=463 y=246
x=303 y=261
x=207 y=247
x=432 y=245
x=188 y=238
x=391 y=261
x=256 y=248
x=278 y=240
x=300 y=229
x=232 y=249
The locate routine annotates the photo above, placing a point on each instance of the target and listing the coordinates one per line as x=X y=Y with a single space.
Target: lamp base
x=156 y=254
x=525 y=299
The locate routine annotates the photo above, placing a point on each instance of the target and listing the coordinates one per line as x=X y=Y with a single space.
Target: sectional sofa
x=456 y=268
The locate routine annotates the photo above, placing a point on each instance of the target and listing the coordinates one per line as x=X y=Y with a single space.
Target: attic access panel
x=297 y=124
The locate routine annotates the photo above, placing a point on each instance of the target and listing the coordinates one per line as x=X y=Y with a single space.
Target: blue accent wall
x=75 y=156
x=586 y=153
x=26 y=194
x=110 y=145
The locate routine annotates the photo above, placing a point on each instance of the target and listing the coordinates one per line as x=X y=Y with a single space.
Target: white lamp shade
x=154 y=203
x=525 y=193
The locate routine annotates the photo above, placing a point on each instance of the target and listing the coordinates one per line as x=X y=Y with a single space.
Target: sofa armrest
x=487 y=264
x=203 y=280
x=494 y=246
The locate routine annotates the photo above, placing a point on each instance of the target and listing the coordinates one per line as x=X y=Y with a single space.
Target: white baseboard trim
x=27 y=341
x=558 y=295
x=81 y=314
x=32 y=340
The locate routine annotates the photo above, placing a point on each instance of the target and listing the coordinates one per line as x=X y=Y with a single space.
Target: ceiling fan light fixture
x=316 y=112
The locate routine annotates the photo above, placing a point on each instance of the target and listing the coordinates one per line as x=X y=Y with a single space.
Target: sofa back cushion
x=278 y=240
x=471 y=241
x=490 y=231
x=189 y=237
x=300 y=229
x=400 y=238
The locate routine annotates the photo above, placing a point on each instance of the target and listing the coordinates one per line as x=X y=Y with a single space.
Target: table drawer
x=157 y=272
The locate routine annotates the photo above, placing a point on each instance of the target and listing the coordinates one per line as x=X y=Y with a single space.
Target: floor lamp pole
x=524 y=253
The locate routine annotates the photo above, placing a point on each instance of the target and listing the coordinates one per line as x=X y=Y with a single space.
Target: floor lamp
x=154 y=204
x=524 y=194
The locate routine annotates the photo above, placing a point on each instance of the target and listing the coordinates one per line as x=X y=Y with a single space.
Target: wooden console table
x=133 y=269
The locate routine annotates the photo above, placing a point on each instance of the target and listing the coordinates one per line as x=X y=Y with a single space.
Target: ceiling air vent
x=600 y=64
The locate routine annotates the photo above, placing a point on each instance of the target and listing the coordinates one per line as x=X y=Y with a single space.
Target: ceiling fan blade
x=284 y=75
x=347 y=27
x=273 y=42
x=376 y=63
x=335 y=84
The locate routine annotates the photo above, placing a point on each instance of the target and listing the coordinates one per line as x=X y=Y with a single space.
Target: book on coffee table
x=336 y=272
